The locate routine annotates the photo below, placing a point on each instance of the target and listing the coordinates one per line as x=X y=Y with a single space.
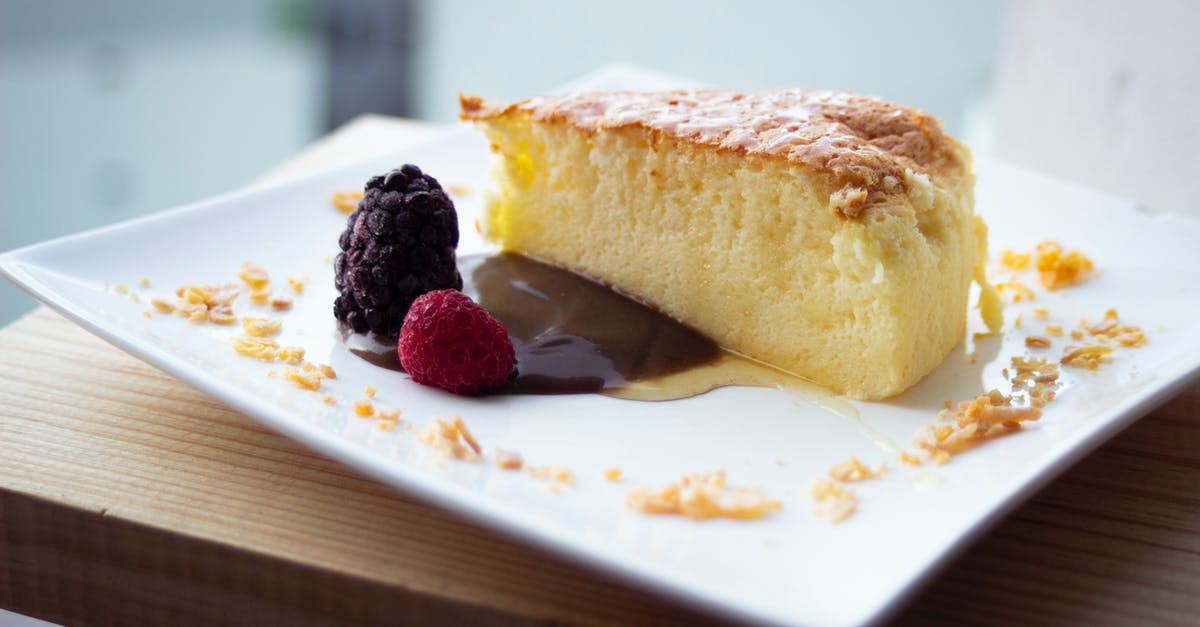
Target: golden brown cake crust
x=861 y=145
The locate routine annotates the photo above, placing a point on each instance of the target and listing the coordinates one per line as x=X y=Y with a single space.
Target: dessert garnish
x=450 y=342
x=451 y=439
x=701 y=496
x=834 y=502
x=1056 y=267
x=509 y=460
x=854 y=470
x=345 y=200
x=398 y=244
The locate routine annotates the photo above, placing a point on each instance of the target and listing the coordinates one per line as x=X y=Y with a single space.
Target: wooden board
x=127 y=497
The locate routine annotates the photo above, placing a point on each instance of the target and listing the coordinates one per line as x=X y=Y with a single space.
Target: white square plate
x=788 y=567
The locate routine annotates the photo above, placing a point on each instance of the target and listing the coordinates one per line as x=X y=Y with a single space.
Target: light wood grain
x=127 y=497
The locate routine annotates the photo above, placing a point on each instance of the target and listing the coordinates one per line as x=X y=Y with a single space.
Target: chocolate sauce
x=573 y=335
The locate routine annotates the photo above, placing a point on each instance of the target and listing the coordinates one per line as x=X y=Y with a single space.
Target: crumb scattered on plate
x=346 y=200
x=508 y=460
x=833 y=501
x=854 y=470
x=700 y=496
x=558 y=474
x=451 y=438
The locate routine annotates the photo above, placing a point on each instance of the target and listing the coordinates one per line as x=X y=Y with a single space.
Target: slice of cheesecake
x=828 y=234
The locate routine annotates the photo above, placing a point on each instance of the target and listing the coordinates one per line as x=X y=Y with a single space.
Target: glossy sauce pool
x=573 y=335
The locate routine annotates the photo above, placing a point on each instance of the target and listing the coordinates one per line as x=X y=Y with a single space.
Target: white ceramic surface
x=789 y=567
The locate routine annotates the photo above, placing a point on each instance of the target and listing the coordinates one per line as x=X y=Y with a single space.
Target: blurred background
x=113 y=109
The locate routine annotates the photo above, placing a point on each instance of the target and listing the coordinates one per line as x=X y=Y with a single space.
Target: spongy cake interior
x=745 y=249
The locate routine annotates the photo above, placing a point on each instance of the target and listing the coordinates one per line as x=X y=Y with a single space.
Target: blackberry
x=398 y=244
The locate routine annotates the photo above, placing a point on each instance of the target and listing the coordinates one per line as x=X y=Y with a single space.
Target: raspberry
x=449 y=342
x=398 y=244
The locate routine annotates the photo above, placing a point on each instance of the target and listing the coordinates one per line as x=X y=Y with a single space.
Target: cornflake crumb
x=261 y=327
x=222 y=316
x=1037 y=341
x=121 y=288
x=146 y=314
x=266 y=349
x=833 y=502
x=1041 y=313
x=508 y=460
x=369 y=391
x=560 y=474
x=1014 y=260
x=134 y=297
x=458 y=190
x=253 y=275
x=291 y=354
x=297 y=285
x=281 y=303
x=982 y=418
x=1110 y=328
x=201 y=303
x=1054 y=330
x=1088 y=356
x=328 y=399
x=854 y=470
x=386 y=418
x=308 y=380
x=345 y=201
x=162 y=305
x=327 y=371
x=1057 y=269
x=451 y=439
x=1038 y=377
x=387 y=413
x=1033 y=370
x=1019 y=291
x=613 y=474
x=363 y=408
x=195 y=314
x=700 y=496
